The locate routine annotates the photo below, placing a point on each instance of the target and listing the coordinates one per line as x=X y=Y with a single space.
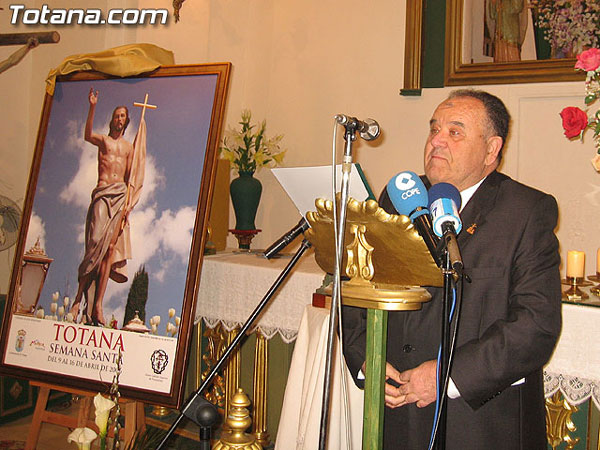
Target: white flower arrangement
x=247 y=150
x=569 y=25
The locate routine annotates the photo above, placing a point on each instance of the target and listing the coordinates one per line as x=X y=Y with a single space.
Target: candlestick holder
x=596 y=279
x=574 y=294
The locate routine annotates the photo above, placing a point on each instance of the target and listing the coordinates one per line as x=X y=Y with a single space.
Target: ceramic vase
x=245 y=193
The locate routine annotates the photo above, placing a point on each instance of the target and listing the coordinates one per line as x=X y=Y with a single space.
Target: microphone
x=287 y=238
x=369 y=129
x=444 y=203
x=409 y=196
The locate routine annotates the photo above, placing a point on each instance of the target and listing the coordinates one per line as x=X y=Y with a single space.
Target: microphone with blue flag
x=444 y=204
x=409 y=197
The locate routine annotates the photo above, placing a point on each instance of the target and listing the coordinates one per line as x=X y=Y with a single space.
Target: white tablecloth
x=574 y=368
x=233 y=284
x=299 y=424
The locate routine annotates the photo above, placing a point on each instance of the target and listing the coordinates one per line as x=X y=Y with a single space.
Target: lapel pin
x=472 y=228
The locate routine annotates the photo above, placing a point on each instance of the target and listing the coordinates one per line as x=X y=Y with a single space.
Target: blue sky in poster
x=162 y=222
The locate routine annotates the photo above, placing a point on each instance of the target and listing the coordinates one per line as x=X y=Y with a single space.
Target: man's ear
x=494 y=145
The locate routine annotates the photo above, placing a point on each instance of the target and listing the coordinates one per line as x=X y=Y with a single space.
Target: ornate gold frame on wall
x=456 y=73
x=412 y=45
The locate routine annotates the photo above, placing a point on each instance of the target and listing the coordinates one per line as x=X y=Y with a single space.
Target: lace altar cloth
x=233 y=284
x=574 y=368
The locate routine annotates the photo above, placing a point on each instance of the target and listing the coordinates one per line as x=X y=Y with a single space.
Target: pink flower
x=574 y=121
x=588 y=60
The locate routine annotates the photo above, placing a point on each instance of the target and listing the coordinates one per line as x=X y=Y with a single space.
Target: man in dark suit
x=511 y=312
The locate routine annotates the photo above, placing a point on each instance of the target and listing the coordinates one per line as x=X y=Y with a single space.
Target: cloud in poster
x=36 y=230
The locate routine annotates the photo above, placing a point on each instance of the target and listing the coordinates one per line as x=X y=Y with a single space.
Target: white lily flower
x=40 y=313
x=156 y=320
x=171 y=313
x=83 y=437
x=103 y=406
x=177 y=320
x=171 y=329
x=53 y=307
x=55 y=296
x=61 y=311
x=66 y=301
x=69 y=317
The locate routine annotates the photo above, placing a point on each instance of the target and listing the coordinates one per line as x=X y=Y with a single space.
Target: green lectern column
x=374 y=379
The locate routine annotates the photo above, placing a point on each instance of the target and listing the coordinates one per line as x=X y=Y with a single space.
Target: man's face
x=459 y=149
x=119 y=119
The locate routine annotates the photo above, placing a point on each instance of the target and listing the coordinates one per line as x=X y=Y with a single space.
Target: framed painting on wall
x=110 y=247
x=468 y=62
x=469 y=47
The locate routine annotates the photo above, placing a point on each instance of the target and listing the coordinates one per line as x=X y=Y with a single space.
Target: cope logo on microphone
x=404 y=182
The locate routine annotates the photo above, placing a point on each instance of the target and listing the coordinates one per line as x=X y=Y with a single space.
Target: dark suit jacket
x=509 y=324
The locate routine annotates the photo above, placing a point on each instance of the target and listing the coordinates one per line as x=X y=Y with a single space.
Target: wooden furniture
x=134 y=414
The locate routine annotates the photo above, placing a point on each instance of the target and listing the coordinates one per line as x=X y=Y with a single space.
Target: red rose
x=574 y=121
x=588 y=60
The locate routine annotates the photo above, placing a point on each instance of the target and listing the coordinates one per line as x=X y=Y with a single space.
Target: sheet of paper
x=306 y=184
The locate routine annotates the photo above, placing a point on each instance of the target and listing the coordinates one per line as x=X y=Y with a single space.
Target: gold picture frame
x=457 y=73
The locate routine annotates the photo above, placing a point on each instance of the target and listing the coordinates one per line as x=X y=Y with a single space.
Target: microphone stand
x=349 y=137
x=452 y=267
x=442 y=388
x=191 y=409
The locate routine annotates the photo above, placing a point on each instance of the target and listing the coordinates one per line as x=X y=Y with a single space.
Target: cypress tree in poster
x=137 y=297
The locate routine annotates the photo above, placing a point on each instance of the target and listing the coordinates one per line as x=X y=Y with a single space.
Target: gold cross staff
x=144 y=106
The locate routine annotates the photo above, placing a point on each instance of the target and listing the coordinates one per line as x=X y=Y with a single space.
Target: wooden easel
x=134 y=414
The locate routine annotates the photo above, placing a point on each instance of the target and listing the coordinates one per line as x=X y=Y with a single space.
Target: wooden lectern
x=387 y=262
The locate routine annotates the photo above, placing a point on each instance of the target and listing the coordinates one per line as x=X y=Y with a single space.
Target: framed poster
x=110 y=248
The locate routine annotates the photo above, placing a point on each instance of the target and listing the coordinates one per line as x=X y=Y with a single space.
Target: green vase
x=245 y=193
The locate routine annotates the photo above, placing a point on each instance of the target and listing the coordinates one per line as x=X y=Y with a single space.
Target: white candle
x=575 y=264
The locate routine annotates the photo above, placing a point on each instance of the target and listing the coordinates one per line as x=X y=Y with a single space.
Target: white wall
x=298 y=64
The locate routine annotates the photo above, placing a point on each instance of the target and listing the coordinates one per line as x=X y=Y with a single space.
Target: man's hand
x=93 y=97
x=393 y=397
x=418 y=385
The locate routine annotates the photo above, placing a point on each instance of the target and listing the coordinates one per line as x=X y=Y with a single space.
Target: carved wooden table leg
x=261 y=365
x=231 y=373
x=559 y=423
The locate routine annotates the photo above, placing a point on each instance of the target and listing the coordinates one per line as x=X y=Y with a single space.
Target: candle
x=575 y=264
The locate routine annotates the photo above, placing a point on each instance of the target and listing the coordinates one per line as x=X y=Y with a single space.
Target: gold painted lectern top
x=385 y=259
